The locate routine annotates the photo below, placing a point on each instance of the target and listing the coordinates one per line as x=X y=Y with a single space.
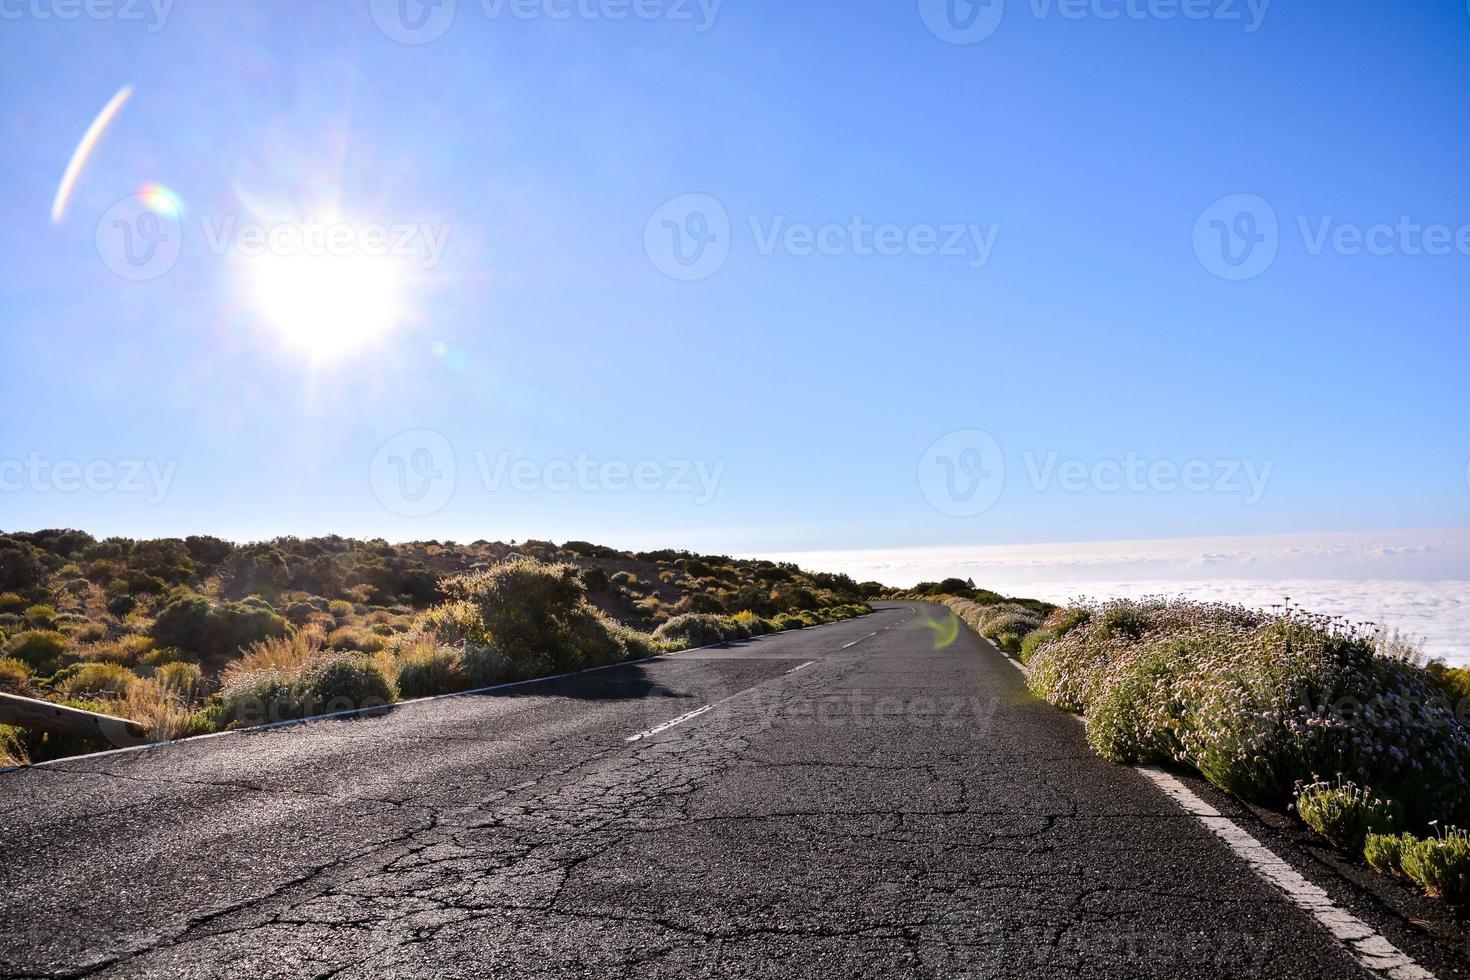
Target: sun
x=326 y=306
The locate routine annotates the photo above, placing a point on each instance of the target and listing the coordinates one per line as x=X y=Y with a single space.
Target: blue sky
x=809 y=389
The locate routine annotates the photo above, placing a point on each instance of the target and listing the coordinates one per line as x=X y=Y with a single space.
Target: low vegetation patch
x=1262 y=705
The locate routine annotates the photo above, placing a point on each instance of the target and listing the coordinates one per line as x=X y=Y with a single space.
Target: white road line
x=853 y=643
x=669 y=724
x=801 y=666
x=1373 y=952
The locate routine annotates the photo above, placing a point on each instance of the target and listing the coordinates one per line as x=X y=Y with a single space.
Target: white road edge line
x=669 y=724
x=1372 y=951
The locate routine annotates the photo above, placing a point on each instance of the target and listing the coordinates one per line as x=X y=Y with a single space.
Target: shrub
x=340 y=609
x=98 y=680
x=186 y=681
x=164 y=712
x=485 y=666
x=15 y=677
x=1440 y=865
x=1259 y=703
x=534 y=613
x=431 y=670
x=193 y=623
x=41 y=616
x=1385 y=852
x=355 y=640
x=693 y=630
x=1344 y=812
x=754 y=625
x=12 y=747
x=340 y=682
x=594 y=578
x=41 y=649
x=10 y=602
x=638 y=646
x=786 y=621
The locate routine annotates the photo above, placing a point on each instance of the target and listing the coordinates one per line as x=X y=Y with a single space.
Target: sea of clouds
x=1417 y=582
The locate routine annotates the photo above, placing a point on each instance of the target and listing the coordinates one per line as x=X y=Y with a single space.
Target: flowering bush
x=1440 y=865
x=1259 y=703
x=1344 y=813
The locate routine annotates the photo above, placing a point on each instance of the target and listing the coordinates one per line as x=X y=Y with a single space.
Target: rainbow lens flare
x=159 y=198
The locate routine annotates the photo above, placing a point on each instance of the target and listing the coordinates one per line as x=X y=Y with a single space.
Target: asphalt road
x=856 y=802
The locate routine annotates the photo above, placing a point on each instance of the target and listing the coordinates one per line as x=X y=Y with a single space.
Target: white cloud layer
x=1414 y=581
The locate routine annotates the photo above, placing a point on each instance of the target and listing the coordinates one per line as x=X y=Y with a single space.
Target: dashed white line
x=669 y=724
x=801 y=666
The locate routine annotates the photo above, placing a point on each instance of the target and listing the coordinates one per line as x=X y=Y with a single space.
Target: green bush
x=754 y=625
x=1344 y=813
x=693 y=630
x=594 y=578
x=13 y=747
x=15 y=676
x=10 y=602
x=1260 y=703
x=426 y=673
x=41 y=616
x=534 y=613
x=121 y=605
x=98 y=680
x=485 y=666
x=638 y=646
x=786 y=621
x=184 y=680
x=1385 y=852
x=328 y=683
x=1440 y=865
x=40 y=649
x=191 y=622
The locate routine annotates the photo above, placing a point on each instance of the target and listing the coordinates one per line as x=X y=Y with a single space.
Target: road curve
x=878 y=797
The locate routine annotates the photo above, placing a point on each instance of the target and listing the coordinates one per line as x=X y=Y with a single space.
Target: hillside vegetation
x=197 y=634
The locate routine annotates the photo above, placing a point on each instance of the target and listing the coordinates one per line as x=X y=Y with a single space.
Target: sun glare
x=326 y=306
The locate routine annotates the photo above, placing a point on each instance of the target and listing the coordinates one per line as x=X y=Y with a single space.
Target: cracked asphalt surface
x=892 y=809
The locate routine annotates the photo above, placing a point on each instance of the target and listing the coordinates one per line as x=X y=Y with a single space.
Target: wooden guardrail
x=58 y=718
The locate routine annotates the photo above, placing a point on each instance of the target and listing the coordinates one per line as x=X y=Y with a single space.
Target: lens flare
x=159 y=198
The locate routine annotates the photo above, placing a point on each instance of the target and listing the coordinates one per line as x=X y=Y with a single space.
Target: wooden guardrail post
x=45 y=716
